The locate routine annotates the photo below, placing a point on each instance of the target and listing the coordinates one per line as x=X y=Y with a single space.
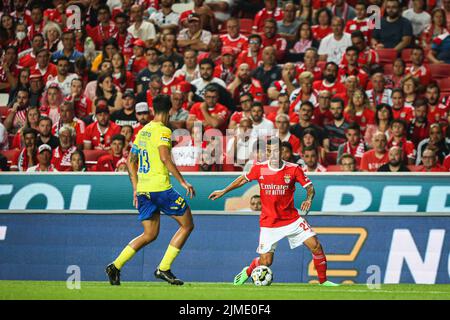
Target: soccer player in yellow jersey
x=149 y=164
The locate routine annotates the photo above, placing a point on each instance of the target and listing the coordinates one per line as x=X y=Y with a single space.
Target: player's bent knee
x=266 y=260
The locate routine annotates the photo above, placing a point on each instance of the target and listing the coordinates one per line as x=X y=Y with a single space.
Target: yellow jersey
x=153 y=175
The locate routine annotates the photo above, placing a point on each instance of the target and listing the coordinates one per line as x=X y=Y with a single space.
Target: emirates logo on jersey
x=287 y=178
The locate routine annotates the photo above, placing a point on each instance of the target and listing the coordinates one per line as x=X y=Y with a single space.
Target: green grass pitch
x=215 y=291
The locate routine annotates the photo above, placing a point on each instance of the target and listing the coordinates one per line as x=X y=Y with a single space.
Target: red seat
x=406 y=55
x=10 y=155
x=230 y=167
x=270 y=109
x=92 y=156
x=331 y=158
x=246 y=26
x=195 y=168
x=387 y=55
x=444 y=85
x=413 y=168
x=334 y=168
x=439 y=70
x=3 y=112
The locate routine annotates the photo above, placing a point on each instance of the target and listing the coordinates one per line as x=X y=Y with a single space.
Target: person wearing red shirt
x=446 y=163
x=63 y=153
x=323 y=27
x=270 y=11
x=138 y=61
x=29 y=59
x=169 y=81
x=105 y=28
x=98 y=135
x=245 y=83
x=366 y=56
x=211 y=113
x=124 y=38
x=430 y=162
x=358 y=111
x=108 y=162
x=310 y=64
x=227 y=68
x=43 y=65
x=322 y=113
x=279 y=217
x=245 y=102
x=283 y=107
x=26 y=158
x=398 y=139
x=282 y=124
x=9 y=70
x=271 y=38
x=82 y=104
x=399 y=109
x=233 y=38
x=214 y=51
x=253 y=54
x=354 y=145
x=375 y=158
x=37 y=25
x=67 y=118
x=330 y=81
x=352 y=68
x=418 y=69
x=437 y=112
x=360 y=22
x=418 y=129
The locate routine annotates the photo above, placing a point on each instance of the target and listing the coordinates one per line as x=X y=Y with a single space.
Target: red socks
x=320 y=262
x=252 y=266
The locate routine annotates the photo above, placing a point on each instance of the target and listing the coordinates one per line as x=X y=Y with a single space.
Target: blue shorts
x=169 y=202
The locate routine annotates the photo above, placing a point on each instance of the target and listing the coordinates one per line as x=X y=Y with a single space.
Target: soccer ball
x=262 y=276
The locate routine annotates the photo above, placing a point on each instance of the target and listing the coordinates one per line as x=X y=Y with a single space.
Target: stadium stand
x=100 y=77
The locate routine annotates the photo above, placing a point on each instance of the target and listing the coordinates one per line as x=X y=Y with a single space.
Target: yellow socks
x=124 y=256
x=169 y=257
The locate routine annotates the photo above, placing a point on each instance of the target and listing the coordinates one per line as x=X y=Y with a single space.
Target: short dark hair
x=352 y=48
x=119 y=137
x=338 y=100
x=353 y=126
x=162 y=103
x=28 y=130
x=420 y=102
x=212 y=88
x=62 y=58
x=207 y=61
x=122 y=15
x=307 y=103
x=358 y=34
x=400 y=121
x=45 y=118
x=287 y=145
x=256 y=36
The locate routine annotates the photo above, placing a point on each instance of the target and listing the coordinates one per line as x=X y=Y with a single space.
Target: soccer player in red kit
x=279 y=218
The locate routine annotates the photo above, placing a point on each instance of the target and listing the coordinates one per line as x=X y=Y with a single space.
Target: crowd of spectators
x=344 y=91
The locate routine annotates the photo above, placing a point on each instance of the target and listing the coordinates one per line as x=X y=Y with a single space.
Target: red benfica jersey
x=371 y=163
x=138 y=64
x=21 y=162
x=264 y=14
x=320 y=118
x=127 y=84
x=277 y=192
x=28 y=61
x=446 y=163
x=320 y=33
x=278 y=42
x=408 y=148
x=334 y=88
x=422 y=73
x=61 y=158
x=77 y=124
x=237 y=116
x=405 y=113
x=344 y=72
x=218 y=110
x=167 y=86
x=107 y=163
x=238 y=45
x=254 y=88
x=437 y=168
x=363 y=118
x=368 y=56
x=317 y=72
x=82 y=106
x=363 y=26
x=244 y=57
x=438 y=113
x=125 y=43
x=92 y=135
x=101 y=33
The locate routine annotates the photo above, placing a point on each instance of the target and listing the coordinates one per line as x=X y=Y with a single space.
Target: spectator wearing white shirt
x=63 y=78
x=194 y=36
x=333 y=46
x=420 y=19
x=141 y=29
x=261 y=126
x=166 y=18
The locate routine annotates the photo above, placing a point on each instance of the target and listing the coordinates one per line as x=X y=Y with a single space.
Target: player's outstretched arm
x=132 y=165
x=166 y=158
x=306 y=204
x=237 y=183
